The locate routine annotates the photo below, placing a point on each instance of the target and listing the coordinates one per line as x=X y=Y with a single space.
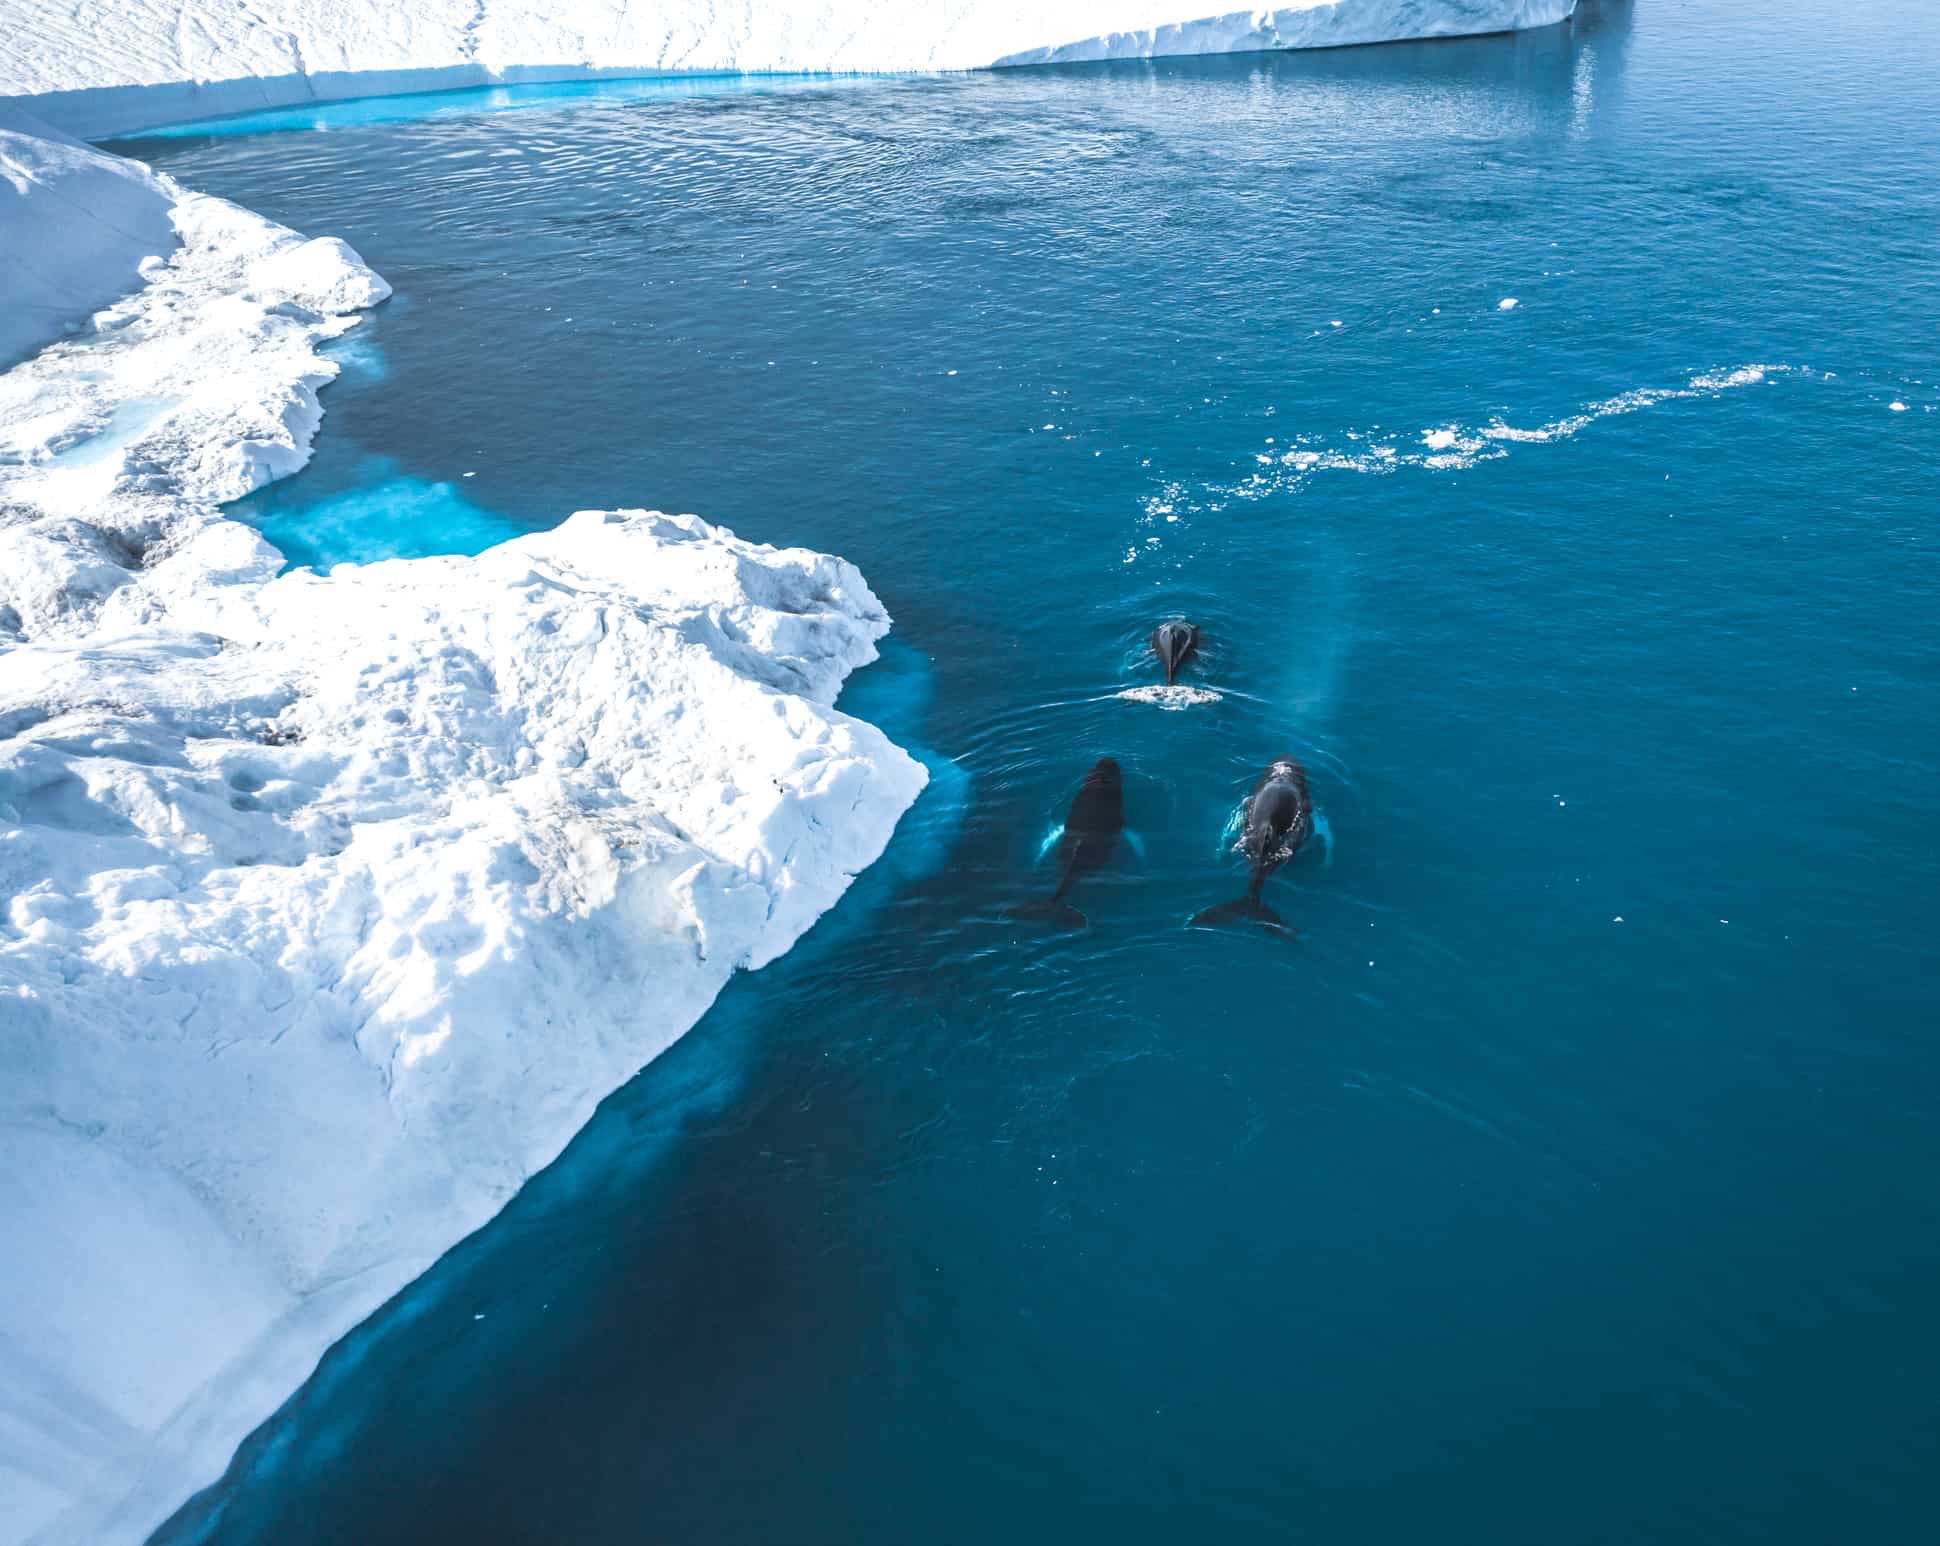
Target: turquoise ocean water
x=1574 y=1177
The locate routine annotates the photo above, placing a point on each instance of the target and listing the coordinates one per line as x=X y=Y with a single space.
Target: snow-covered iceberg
x=100 y=67
x=75 y=225
x=331 y=905
x=335 y=905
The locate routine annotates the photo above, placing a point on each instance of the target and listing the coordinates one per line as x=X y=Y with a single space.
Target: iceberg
x=332 y=904
x=75 y=225
x=337 y=903
x=104 y=67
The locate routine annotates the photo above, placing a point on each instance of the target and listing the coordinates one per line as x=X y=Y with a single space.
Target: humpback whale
x=1174 y=641
x=1279 y=818
x=1091 y=829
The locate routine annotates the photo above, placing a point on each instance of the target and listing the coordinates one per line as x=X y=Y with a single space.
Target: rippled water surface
x=1572 y=1177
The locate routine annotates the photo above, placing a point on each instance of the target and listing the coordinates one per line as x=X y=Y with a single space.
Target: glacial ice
x=335 y=903
x=75 y=225
x=102 y=67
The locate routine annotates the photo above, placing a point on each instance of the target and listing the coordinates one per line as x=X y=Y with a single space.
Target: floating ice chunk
x=1897 y=406
x=323 y=274
x=1507 y=303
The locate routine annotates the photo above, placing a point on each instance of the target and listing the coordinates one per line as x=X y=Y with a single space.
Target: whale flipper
x=1247 y=907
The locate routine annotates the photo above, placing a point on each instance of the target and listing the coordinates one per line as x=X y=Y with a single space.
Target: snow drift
x=100 y=67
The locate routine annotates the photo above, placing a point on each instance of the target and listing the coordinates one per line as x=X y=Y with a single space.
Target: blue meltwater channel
x=1574 y=1175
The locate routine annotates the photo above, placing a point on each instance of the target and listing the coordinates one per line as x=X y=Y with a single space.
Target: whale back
x=1279 y=817
x=1174 y=642
x=1096 y=817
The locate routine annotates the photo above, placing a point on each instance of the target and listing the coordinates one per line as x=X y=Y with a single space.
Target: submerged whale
x=1279 y=818
x=1091 y=829
x=1174 y=641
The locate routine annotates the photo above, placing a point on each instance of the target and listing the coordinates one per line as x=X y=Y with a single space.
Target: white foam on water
x=1452 y=447
x=1177 y=696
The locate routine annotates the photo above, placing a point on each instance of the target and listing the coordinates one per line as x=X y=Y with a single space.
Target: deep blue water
x=1475 y=1214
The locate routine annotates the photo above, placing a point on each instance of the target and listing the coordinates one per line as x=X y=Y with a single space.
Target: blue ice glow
x=469 y=101
x=386 y=514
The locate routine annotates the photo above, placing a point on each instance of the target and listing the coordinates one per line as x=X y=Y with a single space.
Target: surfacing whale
x=1091 y=829
x=1279 y=818
x=1174 y=641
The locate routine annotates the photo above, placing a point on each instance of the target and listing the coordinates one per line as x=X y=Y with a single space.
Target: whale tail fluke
x=1056 y=911
x=1247 y=908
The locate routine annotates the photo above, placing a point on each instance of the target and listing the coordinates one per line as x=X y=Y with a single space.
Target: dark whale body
x=1174 y=641
x=1091 y=829
x=1279 y=819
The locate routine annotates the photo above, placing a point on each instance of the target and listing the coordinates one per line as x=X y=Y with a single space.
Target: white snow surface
x=75 y=225
x=100 y=67
x=336 y=905
x=331 y=905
